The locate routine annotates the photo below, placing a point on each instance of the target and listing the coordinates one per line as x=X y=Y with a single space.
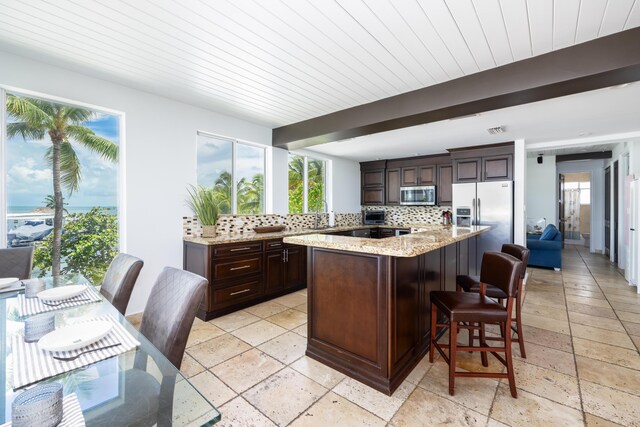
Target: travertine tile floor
x=583 y=367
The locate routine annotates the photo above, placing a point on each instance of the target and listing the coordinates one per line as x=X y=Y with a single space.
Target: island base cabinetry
x=369 y=315
x=244 y=274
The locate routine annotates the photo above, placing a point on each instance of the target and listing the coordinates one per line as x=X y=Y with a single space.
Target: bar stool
x=470 y=310
x=472 y=284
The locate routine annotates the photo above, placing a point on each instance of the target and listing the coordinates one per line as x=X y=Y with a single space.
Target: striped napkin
x=71 y=413
x=32 y=364
x=31 y=306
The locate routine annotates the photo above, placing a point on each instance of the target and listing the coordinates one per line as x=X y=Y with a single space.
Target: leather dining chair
x=471 y=310
x=171 y=310
x=16 y=262
x=119 y=280
x=472 y=284
x=166 y=322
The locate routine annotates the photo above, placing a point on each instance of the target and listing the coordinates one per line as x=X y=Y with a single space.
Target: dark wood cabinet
x=393 y=187
x=372 y=196
x=489 y=163
x=498 y=168
x=418 y=175
x=373 y=178
x=467 y=170
x=444 y=188
x=243 y=274
x=285 y=268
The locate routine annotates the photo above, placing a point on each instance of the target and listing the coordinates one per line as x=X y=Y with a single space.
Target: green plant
x=204 y=204
x=64 y=125
x=89 y=243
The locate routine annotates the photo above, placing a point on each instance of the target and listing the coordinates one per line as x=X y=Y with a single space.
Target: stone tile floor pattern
x=582 y=333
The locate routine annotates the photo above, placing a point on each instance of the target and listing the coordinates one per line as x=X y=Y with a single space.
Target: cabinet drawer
x=234 y=267
x=273 y=245
x=237 y=293
x=237 y=249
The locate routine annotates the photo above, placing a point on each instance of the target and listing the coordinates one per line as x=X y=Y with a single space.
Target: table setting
x=65 y=355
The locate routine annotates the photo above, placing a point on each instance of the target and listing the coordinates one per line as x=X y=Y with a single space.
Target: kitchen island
x=369 y=307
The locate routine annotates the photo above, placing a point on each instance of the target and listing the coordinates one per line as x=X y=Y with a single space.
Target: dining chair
x=471 y=310
x=16 y=262
x=119 y=280
x=472 y=284
x=171 y=310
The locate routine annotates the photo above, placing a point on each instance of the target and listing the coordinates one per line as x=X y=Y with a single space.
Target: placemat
x=31 y=306
x=71 y=413
x=32 y=364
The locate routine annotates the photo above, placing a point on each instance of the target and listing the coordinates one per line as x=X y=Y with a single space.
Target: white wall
x=160 y=159
x=541 y=189
x=596 y=167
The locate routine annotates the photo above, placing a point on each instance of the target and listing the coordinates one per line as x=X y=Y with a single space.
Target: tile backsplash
x=395 y=215
x=398 y=215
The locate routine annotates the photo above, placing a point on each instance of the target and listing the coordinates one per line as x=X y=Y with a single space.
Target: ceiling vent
x=496 y=130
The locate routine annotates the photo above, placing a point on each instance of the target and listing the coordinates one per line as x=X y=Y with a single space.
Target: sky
x=214 y=157
x=29 y=178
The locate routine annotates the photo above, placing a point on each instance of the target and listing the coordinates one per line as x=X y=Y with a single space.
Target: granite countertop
x=222 y=239
x=408 y=245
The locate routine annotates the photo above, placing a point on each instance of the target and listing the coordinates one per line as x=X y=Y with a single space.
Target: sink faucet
x=318 y=206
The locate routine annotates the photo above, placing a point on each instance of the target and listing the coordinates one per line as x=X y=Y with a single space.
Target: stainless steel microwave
x=421 y=195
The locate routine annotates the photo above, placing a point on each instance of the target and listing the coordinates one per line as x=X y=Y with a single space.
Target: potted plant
x=204 y=205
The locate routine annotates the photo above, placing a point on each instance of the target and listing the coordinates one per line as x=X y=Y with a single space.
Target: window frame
x=234 y=178
x=305 y=182
x=122 y=157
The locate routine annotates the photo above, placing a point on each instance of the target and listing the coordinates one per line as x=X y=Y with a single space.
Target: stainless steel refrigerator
x=485 y=203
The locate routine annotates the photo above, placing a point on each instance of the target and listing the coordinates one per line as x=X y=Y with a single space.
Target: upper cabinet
x=418 y=175
x=393 y=186
x=444 y=188
x=372 y=179
x=483 y=164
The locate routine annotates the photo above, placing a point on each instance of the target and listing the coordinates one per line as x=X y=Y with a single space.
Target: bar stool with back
x=470 y=310
x=472 y=284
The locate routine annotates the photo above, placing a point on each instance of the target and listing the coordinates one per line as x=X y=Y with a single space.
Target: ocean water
x=71 y=209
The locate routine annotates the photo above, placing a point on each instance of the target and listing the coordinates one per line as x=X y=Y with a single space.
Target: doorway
x=576 y=208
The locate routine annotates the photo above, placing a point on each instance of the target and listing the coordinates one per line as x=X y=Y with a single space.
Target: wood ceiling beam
x=596 y=64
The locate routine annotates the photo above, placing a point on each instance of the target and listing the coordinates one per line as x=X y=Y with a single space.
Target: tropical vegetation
x=315 y=183
x=89 y=243
x=249 y=194
x=65 y=126
x=204 y=204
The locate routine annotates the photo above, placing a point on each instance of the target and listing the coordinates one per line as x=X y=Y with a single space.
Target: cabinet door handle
x=286 y=255
x=239 y=249
x=240 y=268
x=276 y=245
x=240 y=292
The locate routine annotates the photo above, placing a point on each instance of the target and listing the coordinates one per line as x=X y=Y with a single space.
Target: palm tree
x=50 y=202
x=65 y=126
x=251 y=195
x=222 y=188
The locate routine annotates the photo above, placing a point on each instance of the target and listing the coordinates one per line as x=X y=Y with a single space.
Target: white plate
x=75 y=336
x=7 y=281
x=62 y=293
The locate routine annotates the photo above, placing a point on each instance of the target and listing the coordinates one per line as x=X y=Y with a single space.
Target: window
x=307 y=183
x=226 y=164
x=69 y=216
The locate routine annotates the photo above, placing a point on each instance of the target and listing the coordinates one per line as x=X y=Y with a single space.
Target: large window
x=226 y=164
x=60 y=173
x=307 y=184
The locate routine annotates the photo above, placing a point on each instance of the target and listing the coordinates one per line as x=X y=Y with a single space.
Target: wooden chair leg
x=434 y=317
x=523 y=354
x=483 y=342
x=453 y=344
x=509 y=359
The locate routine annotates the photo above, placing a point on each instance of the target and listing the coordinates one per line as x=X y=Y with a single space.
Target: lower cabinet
x=243 y=274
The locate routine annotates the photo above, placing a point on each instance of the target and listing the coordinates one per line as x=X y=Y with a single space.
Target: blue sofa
x=546 y=249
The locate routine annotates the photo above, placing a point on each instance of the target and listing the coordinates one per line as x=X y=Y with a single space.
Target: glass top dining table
x=138 y=387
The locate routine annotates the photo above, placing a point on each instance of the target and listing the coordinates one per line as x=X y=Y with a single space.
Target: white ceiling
x=278 y=62
x=586 y=115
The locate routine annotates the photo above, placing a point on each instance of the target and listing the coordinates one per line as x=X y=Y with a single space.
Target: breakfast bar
x=368 y=300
